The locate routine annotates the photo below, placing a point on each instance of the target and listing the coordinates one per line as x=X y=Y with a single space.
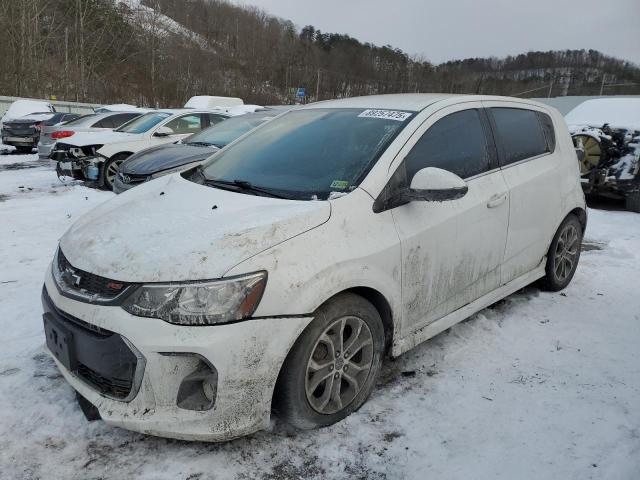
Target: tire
x=563 y=255
x=632 y=202
x=110 y=169
x=306 y=403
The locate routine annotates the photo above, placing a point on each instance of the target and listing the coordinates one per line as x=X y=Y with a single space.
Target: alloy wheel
x=566 y=254
x=112 y=170
x=339 y=365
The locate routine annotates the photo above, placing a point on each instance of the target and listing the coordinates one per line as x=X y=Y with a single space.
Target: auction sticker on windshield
x=386 y=115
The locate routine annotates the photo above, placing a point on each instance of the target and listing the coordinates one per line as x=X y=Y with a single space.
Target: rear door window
x=519 y=134
x=122 y=118
x=457 y=143
x=186 y=124
x=212 y=119
x=104 y=123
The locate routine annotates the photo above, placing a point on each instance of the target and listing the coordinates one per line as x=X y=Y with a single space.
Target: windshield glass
x=226 y=132
x=308 y=154
x=143 y=123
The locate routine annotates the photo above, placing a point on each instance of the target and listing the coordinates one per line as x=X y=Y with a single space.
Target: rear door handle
x=496 y=200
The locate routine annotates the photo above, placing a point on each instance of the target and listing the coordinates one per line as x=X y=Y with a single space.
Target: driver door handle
x=496 y=200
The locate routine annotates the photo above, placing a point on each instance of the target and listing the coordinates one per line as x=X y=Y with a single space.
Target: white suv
x=280 y=272
x=98 y=155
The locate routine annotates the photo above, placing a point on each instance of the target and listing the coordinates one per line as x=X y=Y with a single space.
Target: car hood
x=164 y=157
x=83 y=139
x=171 y=229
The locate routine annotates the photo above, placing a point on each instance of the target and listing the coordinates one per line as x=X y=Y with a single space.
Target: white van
x=279 y=273
x=212 y=102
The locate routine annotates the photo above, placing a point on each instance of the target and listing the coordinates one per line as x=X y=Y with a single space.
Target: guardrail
x=60 y=106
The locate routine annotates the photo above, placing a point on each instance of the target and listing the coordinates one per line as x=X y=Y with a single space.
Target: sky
x=441 y=30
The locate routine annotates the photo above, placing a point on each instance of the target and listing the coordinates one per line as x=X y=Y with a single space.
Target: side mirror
x=163 y=132
x=429 y=184
x=437 y=185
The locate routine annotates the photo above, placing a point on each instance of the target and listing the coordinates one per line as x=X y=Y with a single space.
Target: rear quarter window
x=547 y=129
x=520 y=134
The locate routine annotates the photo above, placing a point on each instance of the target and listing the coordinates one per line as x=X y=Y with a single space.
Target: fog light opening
x=199 y=389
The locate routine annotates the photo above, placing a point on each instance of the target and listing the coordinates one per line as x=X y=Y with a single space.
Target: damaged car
x=277 y=275
x=606 y=133
x=93 y=122
x=97 y=156
x=24 y=132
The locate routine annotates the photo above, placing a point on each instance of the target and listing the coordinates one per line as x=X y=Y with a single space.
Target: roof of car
x=407 y=101
x=174 y=111
x=401 y=101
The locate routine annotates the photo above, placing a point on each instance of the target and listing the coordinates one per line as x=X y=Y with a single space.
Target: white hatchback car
x=279 y=273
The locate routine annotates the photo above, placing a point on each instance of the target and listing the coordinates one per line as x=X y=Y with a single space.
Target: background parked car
x=97 y=156
x=24 y=132
x=161 y=160
x=20 y=108
x=87 y=123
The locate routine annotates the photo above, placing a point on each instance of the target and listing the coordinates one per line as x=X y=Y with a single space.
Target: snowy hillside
x=158 y=23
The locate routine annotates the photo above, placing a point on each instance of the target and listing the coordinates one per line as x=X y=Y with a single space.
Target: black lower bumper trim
x=90 y=411
x=99 y=357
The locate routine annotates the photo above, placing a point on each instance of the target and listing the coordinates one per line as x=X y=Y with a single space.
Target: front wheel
x=563 y=255
x=110 y=169
x=332 y=368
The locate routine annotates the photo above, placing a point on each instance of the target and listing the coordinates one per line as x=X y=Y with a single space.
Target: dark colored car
x=24 y=132
x=165 y=159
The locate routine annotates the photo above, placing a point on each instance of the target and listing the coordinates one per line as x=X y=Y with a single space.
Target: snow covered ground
x=540 y=386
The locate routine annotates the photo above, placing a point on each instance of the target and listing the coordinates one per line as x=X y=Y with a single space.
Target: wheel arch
x=382 y=305
x=379 y=302
x=582 y=217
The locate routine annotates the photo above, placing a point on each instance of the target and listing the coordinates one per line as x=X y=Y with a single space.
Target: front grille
x=88 y=283
x=130 y=178
x=113 y=387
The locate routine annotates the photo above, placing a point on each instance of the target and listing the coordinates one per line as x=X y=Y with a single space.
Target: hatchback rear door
x=529 y=161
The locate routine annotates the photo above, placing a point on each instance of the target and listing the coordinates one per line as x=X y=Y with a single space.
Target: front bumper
x=119 y=186
x=246 y=355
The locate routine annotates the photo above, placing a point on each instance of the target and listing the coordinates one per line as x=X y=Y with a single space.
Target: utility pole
x=602 y=84
x=551 y=84
x=66 y=62
x=318 y=87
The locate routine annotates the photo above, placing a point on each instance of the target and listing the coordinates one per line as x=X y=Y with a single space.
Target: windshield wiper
x=247 y=186
x=202 y=144
x=242 y=185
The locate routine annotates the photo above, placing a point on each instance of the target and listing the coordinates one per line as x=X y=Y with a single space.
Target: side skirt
x=408 y=342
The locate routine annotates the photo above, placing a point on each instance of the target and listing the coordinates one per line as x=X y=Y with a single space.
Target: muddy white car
x=278 y=274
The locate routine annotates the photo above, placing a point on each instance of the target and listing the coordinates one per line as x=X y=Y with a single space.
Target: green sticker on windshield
x=341 y=184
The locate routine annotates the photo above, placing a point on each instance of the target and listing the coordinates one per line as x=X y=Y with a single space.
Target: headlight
x=199 y=303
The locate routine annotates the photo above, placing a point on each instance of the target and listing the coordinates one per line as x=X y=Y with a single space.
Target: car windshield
x=223 y=133
x=308 y=154
x=143 y=123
